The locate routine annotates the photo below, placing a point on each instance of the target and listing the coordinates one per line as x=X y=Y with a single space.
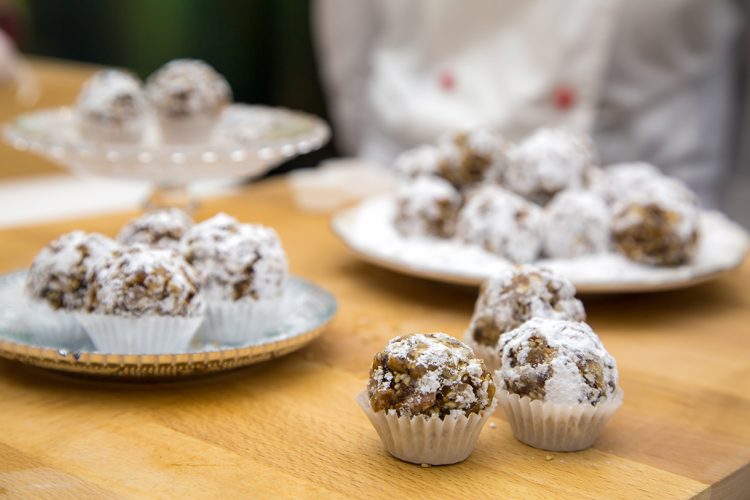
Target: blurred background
x=662 y=82
x=263 y=47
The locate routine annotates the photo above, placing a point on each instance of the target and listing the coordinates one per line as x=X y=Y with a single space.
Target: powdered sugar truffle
x=138 y=280
x=188 y=96
x=236 y=261
x=507 y=301
x=549 y=161
x=471 y=157
x=577 y=223
x=557 y=361
x=502 y=223
x=59 y=274
x=162 y=228
x=657 y=223
x=185 y=87
x=427 y=206
x=429 y=374
x=111 y=107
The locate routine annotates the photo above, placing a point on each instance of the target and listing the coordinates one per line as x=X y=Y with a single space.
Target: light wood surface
x=291 y=427
x=58 y=85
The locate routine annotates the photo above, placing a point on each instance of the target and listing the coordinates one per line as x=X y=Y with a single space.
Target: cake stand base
x=171 y=196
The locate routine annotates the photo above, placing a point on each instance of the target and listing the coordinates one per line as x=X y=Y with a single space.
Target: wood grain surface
x=291 y=427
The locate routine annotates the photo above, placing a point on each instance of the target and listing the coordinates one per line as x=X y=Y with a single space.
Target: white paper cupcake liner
x=489 y=354
x=50 y=327
x=240 y=322
x=186 y=130
x=427 y=440
x=140 y=335
x=556 y=427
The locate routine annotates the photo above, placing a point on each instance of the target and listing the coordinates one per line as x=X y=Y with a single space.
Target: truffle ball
x=657 y=223
x=427 y=206
x=111 y=107
x=502 y=223
x=59 y=274
x=236 y=261
x=557 y=361
x=549 y=161
x=188 y=96
x=577 y=223
x=138 y=281
x=162 y=228
x=429 y=374
x=506 y=302
x=472 y=157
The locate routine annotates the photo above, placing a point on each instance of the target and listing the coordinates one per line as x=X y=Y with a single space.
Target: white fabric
x=59 y=197
x=503 y=76
x=667 y=95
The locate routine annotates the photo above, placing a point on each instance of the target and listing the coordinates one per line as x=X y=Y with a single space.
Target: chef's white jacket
x=650 y=80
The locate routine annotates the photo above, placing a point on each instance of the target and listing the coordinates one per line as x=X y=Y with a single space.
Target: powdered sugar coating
x=427 y=206
x=502 y=223
x=576 y=223
x=429 y=374
x=547 y=162
x=657 y=222
x=162 y=228
x=622 y=178
x=236 y=261
x=186 y=87
x=472 y=156
x=420 y=161
x=59 y=274
x=557 y=361
x=138 y=281
x=112 y=100
x=508 y=300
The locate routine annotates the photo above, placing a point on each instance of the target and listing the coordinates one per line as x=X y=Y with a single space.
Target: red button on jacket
x=564 y=97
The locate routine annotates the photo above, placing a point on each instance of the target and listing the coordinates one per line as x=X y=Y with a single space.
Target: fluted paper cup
x=427 y=440
x=50 y=327
x=489 y=354
x=553 y=426
x=148 y=334
x=239 y=322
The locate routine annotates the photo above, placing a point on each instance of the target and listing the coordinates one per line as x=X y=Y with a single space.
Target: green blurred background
x=263 y=47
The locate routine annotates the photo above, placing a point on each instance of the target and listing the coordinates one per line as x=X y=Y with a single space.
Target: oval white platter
x=307 y=310
x=368 y=230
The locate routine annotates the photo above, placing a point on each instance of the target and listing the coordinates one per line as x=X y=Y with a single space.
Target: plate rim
x=337 y=222
x=164 y=365
x=13 y=129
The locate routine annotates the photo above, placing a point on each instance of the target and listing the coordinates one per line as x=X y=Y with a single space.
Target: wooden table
x=291 y=428
x=58 y=84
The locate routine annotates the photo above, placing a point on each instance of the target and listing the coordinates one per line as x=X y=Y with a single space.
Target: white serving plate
x=368 y=230
x=307 y=310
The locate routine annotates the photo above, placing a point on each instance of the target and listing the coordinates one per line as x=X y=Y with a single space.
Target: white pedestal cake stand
x=246 y=142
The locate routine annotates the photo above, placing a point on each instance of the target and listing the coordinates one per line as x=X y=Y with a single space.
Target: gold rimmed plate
x=308 y=310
